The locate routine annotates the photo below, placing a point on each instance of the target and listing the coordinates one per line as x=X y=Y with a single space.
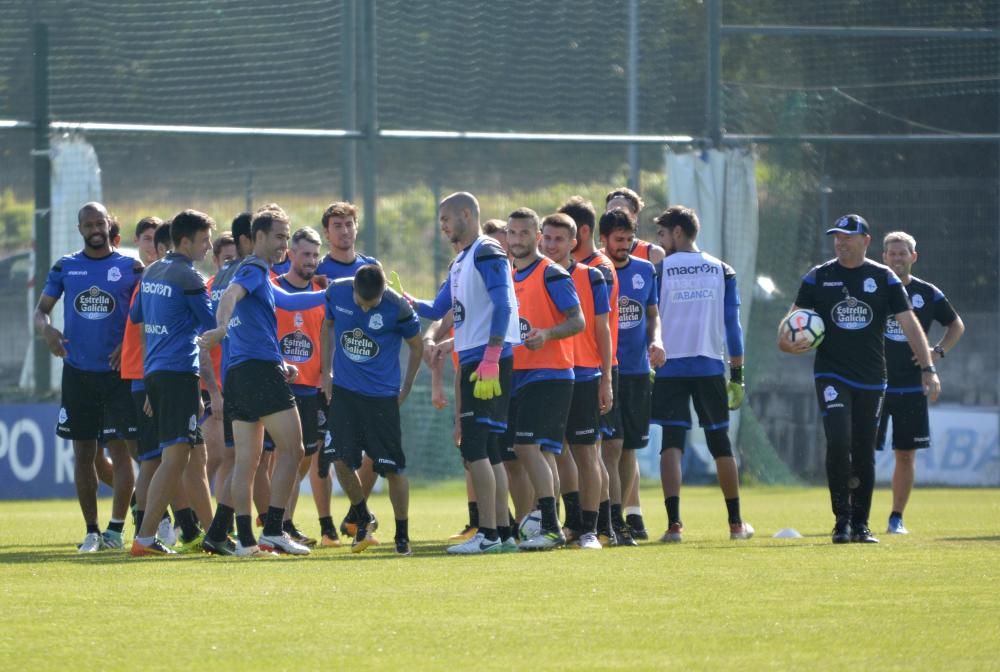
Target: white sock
x=633 y=511
x=146 y=541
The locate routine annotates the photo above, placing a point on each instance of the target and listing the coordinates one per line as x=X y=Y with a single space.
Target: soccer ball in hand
x=531 y=526
x=807 y=325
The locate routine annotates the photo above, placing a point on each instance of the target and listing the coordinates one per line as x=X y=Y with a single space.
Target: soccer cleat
x=281 y=543
x=896 y=526
x=111 y=539
x=297 y=536
x=139 y=550
x=192 y=546
x=403 y=547
x=588 y=541
x=841 y=532
x=636 y=527
x=624 y=538
x=254 y=551
x=860 y=534
x=327 y=541
x=364 y=538
x=543 y=542
x=509 y=545
x=92 y=543
x=570 y=534
x=742 y=530
x=607 y=538
x=673 y=535
x=165 y=532
x=477 y=545
x=224 y=547
x=468 y=533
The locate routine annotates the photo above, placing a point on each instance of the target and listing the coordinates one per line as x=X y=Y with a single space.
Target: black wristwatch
x=929 y=369
x=939 y=350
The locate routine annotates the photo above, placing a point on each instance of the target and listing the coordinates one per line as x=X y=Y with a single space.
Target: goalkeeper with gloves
x=480 y=292
x=700 y=308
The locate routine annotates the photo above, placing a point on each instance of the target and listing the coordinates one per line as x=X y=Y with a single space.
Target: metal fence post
x=634 y=176
x=43 y=195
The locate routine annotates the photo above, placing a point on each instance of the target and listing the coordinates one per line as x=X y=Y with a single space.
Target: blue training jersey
x=253 y=327
x=334 y=270
x=174 y=307
x=366 y=352
x=222 y=279
x=637 y=291
x=98 y=292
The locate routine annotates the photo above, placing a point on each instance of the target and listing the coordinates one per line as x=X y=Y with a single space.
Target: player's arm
x=43 y=311
x=954 y=327
x=602 y=336
x=656 y=255
x=562 y=292
x=918 y=343
x=657 y=355
x=436 y=309
x=735 y=388
x=785 y=342
x=296 y=300
x=227 y=304
x=326 y=357
x=416 y=345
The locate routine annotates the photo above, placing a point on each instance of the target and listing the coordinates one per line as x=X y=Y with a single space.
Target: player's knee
x=718 y=443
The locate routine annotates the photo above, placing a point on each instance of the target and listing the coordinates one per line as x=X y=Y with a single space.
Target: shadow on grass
x=993 y=538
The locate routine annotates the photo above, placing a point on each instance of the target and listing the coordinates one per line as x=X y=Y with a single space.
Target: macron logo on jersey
x=711 y=269
x=157 y=289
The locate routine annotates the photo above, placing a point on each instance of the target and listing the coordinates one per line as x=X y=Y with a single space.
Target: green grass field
x=928 y=601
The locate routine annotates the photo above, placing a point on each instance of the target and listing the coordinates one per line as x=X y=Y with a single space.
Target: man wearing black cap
x=855 y=296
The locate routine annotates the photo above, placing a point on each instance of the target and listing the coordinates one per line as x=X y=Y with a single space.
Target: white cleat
x=282 y=544
x=588 y=541
x=252 y=552
x=477 y=545
x=92 y=543
x=742 y=530
x=165 y=533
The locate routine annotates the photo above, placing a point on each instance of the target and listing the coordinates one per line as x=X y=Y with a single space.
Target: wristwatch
x=938 y=349
x=929 y=369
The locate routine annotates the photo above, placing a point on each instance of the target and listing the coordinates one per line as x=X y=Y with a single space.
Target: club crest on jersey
x=638 y=282
x=375 y=322
x=851 y=314
x=917 y=301
x=94 y=304
x=893 y=330
x=870 y=286
x=114 y=274
x=629 y=312
x=829 y=393
x=358 y=346
x=296 y=347
x=298 y=320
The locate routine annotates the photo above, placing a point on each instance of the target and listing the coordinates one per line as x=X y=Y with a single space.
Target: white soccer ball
x=531 y=526
x=805 y=324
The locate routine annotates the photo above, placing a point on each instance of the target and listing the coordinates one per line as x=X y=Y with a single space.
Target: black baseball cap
x=852 y=225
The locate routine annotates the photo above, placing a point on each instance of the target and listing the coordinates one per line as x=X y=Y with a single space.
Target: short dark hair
x=225 y=238
x=308 y=234
x=241 y=227
x=581 y=210
x=526 y=213
x=562 y=221
x=162 y=236
x=627 y=194
x=493 y=226
x=369 y=282
x=339 y=209
x=265 y=217
x=682 y=216
x=614 y=220
x=187 y=223
x=114 y=228
x=145 y=224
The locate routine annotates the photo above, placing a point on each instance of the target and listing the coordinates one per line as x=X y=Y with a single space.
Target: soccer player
x=639 y=347
x=368 y=323
x=550 y=315
x=223 y=250
x=585 y=217
x=255 y=392
x=99 y=283
x=173 y=306
x=144 y=235
x=905 y=402
x=592 y=393
x=700 y=306
x=299 y=334
x=629 y=201
x=480 y=293
x=855 y=296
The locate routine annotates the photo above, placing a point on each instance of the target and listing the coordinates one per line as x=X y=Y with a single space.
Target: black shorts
x=148 y=445
x=672 y=398
x=538 y=414
x=310 y=409
x=174 y=398
x=87 y=399
x=911 y=424
x=612 y=420
x=120 y=421
x=633 y=422
x=584 y=420
x=481 y=417
x=255 y=389
x=362 y=424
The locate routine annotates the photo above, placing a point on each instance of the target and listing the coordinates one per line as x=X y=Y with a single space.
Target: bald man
x=98 y=283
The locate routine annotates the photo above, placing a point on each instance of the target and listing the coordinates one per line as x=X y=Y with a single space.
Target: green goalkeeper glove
x=735 y=388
